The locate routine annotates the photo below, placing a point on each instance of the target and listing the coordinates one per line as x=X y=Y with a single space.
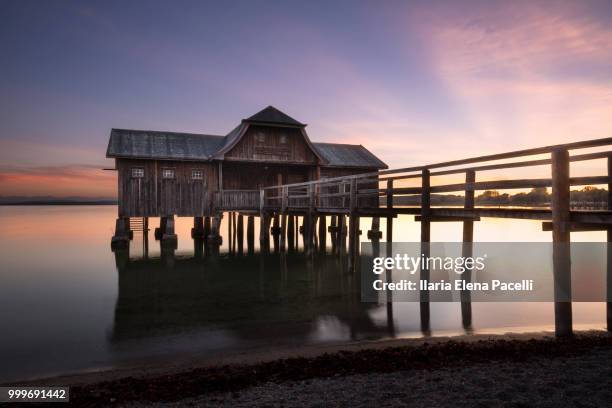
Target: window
x=260 y=138
x=283 y=139
x=168 y=173
x=197 y=174
x=137 y=172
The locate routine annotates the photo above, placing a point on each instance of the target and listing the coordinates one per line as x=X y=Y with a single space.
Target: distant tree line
x=536 y=197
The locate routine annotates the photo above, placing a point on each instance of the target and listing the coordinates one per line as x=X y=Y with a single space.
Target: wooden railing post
x=353 y=195
x=560 y=206
x=284 y=201
x=261 y=200
x=353 y=225
x=389 y=237
x=389 y=253
x=264 y=233
x=309 y=219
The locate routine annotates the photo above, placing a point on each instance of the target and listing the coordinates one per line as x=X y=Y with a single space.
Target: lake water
x=68 y=303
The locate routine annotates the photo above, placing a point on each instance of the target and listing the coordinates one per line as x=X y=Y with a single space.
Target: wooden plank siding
x=253 y=176
x=152 y=195
x=272 y=144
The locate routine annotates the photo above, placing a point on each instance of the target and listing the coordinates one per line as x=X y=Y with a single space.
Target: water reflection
x=245 y=295
x=70 y=304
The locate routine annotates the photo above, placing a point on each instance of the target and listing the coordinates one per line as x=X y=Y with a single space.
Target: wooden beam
x=418 y=218
x=578 y=226
x=513 y=184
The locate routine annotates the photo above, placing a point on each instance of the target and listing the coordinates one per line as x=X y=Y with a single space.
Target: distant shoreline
x=24 y=203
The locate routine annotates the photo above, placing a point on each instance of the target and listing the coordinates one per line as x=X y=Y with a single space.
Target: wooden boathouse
x=267 y=166
x=168 y=174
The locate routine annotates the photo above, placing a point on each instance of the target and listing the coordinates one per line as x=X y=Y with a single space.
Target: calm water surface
x=67 y=303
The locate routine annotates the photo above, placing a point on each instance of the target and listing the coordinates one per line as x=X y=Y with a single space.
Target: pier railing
x=379 y=194
x=237 y=199
x=383 y=192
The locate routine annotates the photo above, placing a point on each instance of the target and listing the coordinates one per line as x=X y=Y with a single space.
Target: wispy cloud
x=525 y=74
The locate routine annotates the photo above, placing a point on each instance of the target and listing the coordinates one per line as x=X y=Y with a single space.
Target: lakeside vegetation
x=536 y=197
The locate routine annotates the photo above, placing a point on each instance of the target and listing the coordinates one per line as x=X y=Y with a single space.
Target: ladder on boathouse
x=139 y=224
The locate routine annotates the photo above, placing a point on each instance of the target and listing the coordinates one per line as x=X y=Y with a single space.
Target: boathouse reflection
x=287 y=293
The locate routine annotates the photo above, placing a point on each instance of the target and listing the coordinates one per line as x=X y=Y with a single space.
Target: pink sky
x=413 y=83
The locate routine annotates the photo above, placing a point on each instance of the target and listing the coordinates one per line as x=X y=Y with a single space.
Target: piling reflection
x=290 y=292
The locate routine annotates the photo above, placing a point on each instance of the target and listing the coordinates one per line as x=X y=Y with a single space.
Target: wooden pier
x=344 y=200
x=376 y=195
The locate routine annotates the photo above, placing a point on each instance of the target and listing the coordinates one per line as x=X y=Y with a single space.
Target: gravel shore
x=467 y=371
x=577 y=381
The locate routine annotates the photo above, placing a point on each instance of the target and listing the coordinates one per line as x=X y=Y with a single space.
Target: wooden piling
x=234 y=232
x=264 y=228
x=333 y=233
x=240 y=233
x=315 y=235
x=145 y=239
x=560 y=206
x=374 y=234
x=275 y=231
x=206 y=227
x=609 y=255
x=425 y=249
x=291 y=232
x=467 y=251
x=198 y=227
x=198 y=247
x=251 y=234
x=283 y=232
x=121 y=239
x=229 y=231
x=169 y=238
x=297 y=231
x=389 y=237
x=342 y=234
x=322 y=233
x=159 y=231
x=214 y=238
x=262 y=225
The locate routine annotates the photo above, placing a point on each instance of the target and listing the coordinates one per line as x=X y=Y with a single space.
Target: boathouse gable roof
x=147 y=144
x=272 y=116
x=267 y=117
x=159 y=145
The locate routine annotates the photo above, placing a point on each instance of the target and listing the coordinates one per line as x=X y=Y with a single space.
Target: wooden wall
x=265 y=144
x=251 y=176
x=152 y=195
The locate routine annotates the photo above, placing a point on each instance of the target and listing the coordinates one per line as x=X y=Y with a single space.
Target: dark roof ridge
x=340 y=144
x=164 y=132
x=272 y=115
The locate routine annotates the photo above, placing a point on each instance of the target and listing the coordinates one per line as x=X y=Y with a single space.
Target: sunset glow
x=414 y=82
